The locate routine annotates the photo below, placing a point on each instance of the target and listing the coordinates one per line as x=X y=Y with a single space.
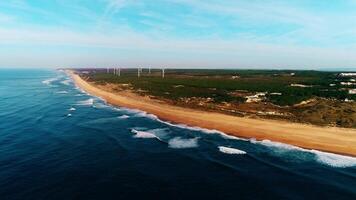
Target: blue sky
x=298 y=34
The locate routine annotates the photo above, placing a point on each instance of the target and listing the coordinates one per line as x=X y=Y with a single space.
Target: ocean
x=57 y=142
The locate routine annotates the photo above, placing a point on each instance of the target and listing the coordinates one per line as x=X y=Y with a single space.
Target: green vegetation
x=273 y=94
x=219 y=84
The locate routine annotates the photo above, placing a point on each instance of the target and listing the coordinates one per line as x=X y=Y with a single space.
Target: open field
x=320 y=98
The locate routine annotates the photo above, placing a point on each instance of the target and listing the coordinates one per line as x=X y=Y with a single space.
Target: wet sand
x=329 y=139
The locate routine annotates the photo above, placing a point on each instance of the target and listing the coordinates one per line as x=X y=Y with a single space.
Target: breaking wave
x=279 y=145
x=88 y=102
x=101 y=105
x=334 y=160
x=50 y=80
x=330 y=159
x=229 y=150
x=143 y=134
x=62 y=92
x=144 y=114
x=123 y=117
x=66 y=82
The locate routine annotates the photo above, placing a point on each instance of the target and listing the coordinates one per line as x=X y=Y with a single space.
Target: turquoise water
x=57 y=142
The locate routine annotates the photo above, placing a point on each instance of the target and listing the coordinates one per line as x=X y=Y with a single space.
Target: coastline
x=328 y=139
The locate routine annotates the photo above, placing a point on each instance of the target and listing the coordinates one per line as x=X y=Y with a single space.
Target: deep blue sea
x=57 y=142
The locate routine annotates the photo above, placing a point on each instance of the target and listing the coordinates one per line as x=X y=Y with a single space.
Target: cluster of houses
x=351 y=74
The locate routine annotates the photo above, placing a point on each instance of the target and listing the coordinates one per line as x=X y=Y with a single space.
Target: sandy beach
x=328 y=139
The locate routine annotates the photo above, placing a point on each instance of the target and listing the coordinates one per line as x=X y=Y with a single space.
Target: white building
x=352 y=91
x=347 y=74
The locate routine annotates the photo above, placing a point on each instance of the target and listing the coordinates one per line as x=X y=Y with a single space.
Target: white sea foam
x=278 y=145
x=143 y=134
x=72 y=109
x=88 y=102
x=139 y=113
x=82 y=91
x=50 y=80
x=123 y=117
x=144 y=114
x=101 y=105
x=66 y=82
x=181 y=143
x=334 y=160
x=330 y=159
x=62 y=92
x=131 y=111
x=229 y=150
x=69 y=115
x=204 y=130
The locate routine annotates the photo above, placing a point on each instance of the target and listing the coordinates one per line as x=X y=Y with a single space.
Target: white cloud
x=110 y=42
x=132 y=49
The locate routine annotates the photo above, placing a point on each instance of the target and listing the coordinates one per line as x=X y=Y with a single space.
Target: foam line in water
x=334 y=160
x=62 y=92
x=123 y=117
x=330 y=159
x=278 y=145
x=204 y=130
x=229 y=150
x=72 y=109
x=66 y=82
x=146 y=115
x=181 y=143
x=88 y=102
x=50 y=80
x=143 y=134
x=101 y=105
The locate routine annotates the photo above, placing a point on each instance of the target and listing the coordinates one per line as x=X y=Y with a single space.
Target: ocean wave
x=66 y=82
x=69 y=115
x=330 y=159
x=143 y=134
x=123 y=117
x=72 y=109
x=82 y=91
x=204 y=130
x=62 y=92
x=181 y=143
x=146 y=115
x=88 y=102
x=229 y=150
x=50 y=80
x=140 y=113
x=129 y=110
x=100 y=105
x=334 y=160
x=278 y=145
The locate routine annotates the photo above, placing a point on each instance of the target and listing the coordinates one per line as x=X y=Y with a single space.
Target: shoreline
x=327 y=139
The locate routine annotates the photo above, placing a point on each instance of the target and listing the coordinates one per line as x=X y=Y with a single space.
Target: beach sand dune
x=329 y=139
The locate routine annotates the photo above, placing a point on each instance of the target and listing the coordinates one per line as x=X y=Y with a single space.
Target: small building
x=348 y=74
x=352 y=91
